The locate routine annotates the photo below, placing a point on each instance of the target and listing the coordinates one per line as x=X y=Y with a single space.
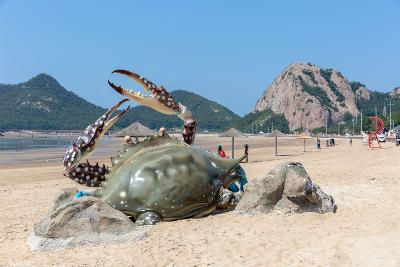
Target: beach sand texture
x=365 y=231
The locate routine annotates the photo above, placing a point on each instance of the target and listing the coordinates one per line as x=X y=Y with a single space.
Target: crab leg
x=160 y=100
x=85 y=173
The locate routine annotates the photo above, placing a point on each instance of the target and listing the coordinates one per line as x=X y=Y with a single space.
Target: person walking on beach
x=318 y=143
x=351 y=141
x=246 y=152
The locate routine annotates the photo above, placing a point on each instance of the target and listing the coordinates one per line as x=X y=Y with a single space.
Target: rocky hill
x=308 y=96
x=395 y=92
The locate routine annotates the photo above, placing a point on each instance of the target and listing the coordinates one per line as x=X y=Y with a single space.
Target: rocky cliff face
x=308 y=96
x=395 y=92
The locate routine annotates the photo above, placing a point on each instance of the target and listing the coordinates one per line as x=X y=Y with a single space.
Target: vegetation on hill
x=355 y=85
x=317 y=92
x=42 y=103
x=344 y=126
x=209 y=114
x=310 y=74
x=265 y=121
x=327 y=74
x=378 y=100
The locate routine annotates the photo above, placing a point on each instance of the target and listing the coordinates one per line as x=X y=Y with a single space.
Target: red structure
x=377 y=128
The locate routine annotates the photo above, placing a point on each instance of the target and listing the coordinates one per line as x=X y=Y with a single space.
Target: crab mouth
x=156 y=97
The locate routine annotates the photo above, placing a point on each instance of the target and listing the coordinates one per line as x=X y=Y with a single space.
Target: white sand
x=365 y=231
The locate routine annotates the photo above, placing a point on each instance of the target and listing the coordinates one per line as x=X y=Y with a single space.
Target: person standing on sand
x=128 y=140
x=351 y=141
x=221 y=152
x=161 y=132
x=318 y=143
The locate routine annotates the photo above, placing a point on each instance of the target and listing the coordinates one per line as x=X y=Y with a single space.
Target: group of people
x=329 y=142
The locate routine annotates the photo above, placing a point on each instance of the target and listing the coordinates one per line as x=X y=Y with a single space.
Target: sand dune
x=365 y=231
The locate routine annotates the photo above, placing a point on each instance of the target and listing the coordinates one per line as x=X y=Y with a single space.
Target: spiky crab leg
x=160 y=100
x=74 y=157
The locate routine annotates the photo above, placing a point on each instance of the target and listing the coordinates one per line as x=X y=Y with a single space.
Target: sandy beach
x=365 y=230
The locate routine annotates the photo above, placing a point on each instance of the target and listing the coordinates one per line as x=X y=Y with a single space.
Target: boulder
x=286 y=188
x=74 y=222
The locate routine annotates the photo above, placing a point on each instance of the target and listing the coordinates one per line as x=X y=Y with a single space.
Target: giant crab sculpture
x=160 y=178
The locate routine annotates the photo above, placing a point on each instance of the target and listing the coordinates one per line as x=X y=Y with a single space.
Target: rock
x=286 y=188
x=74 y=222
x=395 y=92
x=363 y=93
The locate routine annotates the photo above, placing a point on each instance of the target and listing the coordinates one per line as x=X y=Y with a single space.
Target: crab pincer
x=160 y=100
x=75 y=167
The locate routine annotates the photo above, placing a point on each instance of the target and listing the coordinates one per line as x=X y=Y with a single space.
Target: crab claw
x=88 y=140
x=159 y=98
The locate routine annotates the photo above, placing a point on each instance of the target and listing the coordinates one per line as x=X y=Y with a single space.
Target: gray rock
x=74 y=222
x=286 y=188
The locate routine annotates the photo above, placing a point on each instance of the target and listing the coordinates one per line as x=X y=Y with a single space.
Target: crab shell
x=167 y=176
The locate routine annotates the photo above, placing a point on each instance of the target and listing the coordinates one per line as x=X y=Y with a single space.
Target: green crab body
x=169 y=177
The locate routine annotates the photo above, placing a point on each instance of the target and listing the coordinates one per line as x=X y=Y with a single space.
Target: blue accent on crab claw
x=80 y=194
x=242 y=181
x=233 y=188
x=243 y=178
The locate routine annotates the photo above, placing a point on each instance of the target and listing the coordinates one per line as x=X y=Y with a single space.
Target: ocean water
x=23 y=143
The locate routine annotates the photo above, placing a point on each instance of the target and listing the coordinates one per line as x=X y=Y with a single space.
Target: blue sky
x=227 y=51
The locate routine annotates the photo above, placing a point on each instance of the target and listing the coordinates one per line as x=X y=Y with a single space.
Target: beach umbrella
x=136 y=129
x=305 y=136
x=232 y=132
x=276 y=134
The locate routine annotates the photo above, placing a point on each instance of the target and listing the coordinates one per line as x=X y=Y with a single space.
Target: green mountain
x=209 y=114
x=42 y=103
